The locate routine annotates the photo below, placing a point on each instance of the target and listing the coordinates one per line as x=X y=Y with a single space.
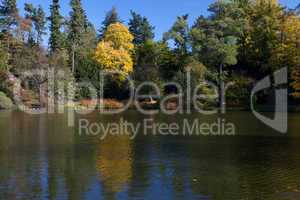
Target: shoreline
x=291 y=109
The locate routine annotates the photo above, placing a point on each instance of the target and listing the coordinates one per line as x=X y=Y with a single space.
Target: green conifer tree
x=140 y=28
x=55 y=25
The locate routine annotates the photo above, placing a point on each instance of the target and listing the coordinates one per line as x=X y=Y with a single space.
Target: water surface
x=42 y=158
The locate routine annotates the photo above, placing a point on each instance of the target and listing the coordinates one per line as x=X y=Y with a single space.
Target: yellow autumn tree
x=271 y=2
x=296 y=82
x=286 y=51
x=115 y=49
x=291 y=50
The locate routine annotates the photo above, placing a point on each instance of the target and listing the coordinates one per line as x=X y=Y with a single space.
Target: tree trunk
x=222 y=91
x=73 y=59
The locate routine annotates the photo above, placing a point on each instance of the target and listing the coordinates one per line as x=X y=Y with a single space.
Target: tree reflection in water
x=114 y=163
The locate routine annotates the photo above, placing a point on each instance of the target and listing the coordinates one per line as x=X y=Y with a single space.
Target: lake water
x=42 y=158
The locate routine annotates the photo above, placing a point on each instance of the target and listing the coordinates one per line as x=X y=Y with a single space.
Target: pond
x=41 y=157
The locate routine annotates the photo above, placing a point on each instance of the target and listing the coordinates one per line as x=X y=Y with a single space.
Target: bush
x=5 y=102
x=239 y=94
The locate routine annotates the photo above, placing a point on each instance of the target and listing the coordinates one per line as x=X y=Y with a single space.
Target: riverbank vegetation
x=240 y=41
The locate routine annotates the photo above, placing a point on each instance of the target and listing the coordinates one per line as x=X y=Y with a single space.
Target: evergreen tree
x=110 y=18
x=29 y=17
x=215 y=40
x=140 y=28
x=148 y=59
x=37 y=16
x=78 y=22
x=179 y=33
x=29 y=11
x=89 y=40
x=55 y=26
x=40 y=23
x=8 y=14
x=77 y=27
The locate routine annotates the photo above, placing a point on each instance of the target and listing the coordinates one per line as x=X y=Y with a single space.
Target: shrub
x=5 y=102
x=239 y=94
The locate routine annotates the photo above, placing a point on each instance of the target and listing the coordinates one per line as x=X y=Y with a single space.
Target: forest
x=240 y=41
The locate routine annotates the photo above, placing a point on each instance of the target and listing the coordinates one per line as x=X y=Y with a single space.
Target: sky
x=161 y=13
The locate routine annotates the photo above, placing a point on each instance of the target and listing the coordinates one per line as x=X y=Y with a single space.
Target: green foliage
x=38 y=17
x=197 y=74
x=4 y=67
x=140 y=28
x=78 y=23
x=30 y=10
x=88 y=70
x=147 y=62
x=179 y=34
x=40 y=23
x=29 y=58
x=8 y=14
x=111 y=17
x=168 y=66
x=5 y=102
x=64 y=79
x=84 y=63
x=196 y=70
x=178 y=59
x=88 y=39
x=239 y=93
x=262 y=37
x=3 y=59
x=296 y=82
x=55 y=18
x=215 y=39
x=238 y=40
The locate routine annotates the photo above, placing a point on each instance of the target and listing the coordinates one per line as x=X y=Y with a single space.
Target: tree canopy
x=140 y=28
x=239 y=40
x=111 y=17
x=55 y=19
x=114 y=51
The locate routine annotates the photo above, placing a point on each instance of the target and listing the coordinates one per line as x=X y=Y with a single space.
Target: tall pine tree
x=110 y=18
x=140 y=28
x=55 y=25
x=37 y=16
x=40 y=23
x=78 y=22
x=179 y=34
x=8 y=14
